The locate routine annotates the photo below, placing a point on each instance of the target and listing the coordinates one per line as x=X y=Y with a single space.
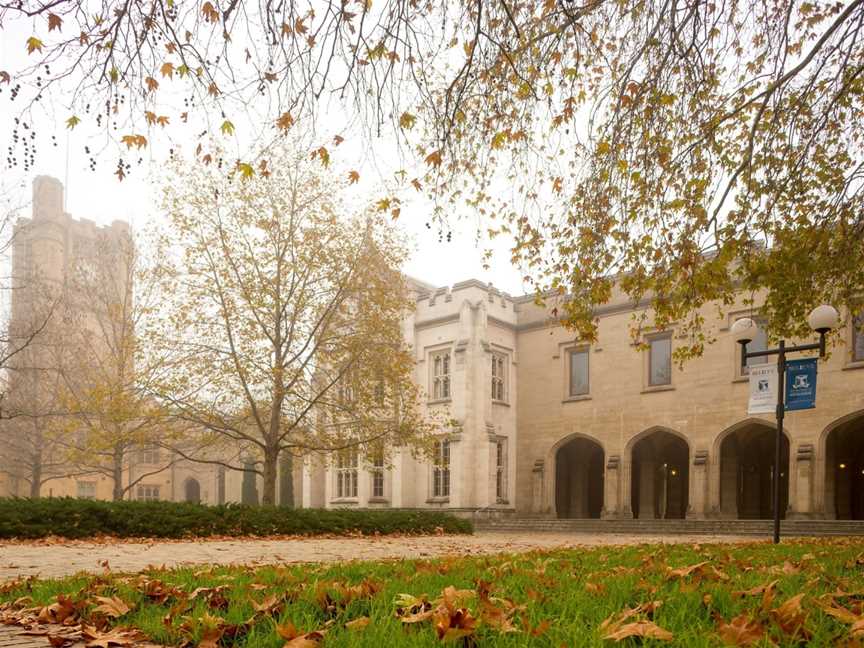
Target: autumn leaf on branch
x=34 y=45
x=434 y=159
x=210 y=13
x=138 y=141
x=54 y=22
x=353 y=177
x=285 y=121
x=407 y=120
x=72 y=122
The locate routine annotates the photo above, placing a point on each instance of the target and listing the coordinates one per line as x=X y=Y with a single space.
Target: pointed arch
x=192 y=490
x=578 y=476
x=745 y=454
x=659 y=463
x=841 y=450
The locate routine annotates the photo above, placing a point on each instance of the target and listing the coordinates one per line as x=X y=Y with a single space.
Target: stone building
x=554 y=426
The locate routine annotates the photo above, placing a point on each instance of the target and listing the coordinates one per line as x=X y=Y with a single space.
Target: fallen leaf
x=358 y=624
x=645 y=629
x=112 y=607
x=741 y=631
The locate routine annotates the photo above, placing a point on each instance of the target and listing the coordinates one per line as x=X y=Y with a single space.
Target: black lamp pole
x=781 y=352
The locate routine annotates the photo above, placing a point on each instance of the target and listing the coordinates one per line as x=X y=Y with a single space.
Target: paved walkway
x=63 y=559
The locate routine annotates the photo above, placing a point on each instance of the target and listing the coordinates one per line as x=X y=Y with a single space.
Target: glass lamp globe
x=744 y=330
x=823 y=318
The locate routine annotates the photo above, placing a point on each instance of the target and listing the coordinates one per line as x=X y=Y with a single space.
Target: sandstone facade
x=629 y=439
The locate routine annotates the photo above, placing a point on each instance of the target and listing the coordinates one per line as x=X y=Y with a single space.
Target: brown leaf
x=111 y=607
x=54 y=22
x=645 y=629
x=791 y=617
x=684 y=572
x=295 y=639
x=115 y=637
x=358 y=623
x=741 y=631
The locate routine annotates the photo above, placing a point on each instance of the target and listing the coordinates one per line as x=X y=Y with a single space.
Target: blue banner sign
x=801 y=384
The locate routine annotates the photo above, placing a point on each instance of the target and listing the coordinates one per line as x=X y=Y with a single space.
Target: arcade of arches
x=660 y=465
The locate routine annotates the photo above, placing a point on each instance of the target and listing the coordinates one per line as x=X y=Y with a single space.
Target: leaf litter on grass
x=741 y=595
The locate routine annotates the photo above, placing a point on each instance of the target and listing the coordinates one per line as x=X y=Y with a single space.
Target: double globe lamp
x=822 y=319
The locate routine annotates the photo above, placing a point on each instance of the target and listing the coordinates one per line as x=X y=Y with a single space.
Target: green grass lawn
x=800 y=592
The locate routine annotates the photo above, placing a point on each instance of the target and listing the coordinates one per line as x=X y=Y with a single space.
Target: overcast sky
x=99 y=196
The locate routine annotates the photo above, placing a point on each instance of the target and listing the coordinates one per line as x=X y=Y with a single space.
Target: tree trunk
x=36 y=477
x=271 y=461
x=286 y=480
x=117 y=474
x=249 y=491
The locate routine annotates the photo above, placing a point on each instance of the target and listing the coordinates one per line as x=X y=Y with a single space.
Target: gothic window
x=149 y=455
x=147 y=493
x=858 y=338
x=660 y=361
x=377 y=473
x=579 y=378
x=346 y=474
x=499 y=377
x=501 y=470
x=441 y=469
x=86 y=490
x=441 y=375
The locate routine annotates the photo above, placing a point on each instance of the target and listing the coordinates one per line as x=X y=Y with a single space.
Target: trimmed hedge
x=77 y=518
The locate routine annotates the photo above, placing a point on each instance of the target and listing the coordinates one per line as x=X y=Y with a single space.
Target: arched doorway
x=193 y=491
x=747 y=456
x=844 y=469
x=579 y=479
x=660 y=476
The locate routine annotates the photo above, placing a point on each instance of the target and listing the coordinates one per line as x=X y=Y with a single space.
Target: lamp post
x=821 y=319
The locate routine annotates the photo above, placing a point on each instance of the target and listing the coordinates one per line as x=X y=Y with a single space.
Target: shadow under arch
x=747 y=452
x=578 y=488
x=659 y=473
x=192 y=490
x=842 y=445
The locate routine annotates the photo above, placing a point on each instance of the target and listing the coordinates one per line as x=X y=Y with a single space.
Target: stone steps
x=683 y=527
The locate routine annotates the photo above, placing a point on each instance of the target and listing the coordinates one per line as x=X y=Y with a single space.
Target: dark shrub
x=78 y=518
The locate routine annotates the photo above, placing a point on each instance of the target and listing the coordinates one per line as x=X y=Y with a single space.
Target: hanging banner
x=801 y=384
x=763 y=389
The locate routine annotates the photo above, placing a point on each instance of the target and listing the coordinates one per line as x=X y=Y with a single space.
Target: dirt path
x=63 y=559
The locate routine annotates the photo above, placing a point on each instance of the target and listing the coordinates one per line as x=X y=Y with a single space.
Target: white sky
x=99 y=196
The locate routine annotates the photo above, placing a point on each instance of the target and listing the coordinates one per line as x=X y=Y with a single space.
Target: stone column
x=803 y=473
x=698 y=496
x=538 y=500
x=647 y=477
x=611 y=482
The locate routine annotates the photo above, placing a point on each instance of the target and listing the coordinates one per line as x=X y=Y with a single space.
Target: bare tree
x=110 y=417
x=284 y=308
